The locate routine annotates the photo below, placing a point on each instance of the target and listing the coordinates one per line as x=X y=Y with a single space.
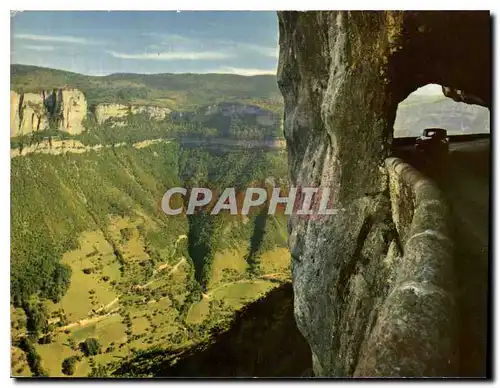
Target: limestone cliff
x=63 y=109
x=342 y=75
x=14 y=113
x=105 y=112
x=66 y=110
x=32 y=113
x=154 y=112
x=73 y=111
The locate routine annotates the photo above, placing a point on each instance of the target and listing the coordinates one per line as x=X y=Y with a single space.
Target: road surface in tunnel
x=464 y=177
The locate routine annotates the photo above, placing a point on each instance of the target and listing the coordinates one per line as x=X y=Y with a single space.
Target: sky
x=430 y=89
x=105 y=42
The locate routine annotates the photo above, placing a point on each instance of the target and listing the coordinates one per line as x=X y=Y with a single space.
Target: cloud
x=54 y=38
x=38 y=48
x=272 y=52
x=170 y=38
x=181 y=42
x=267 y=51
x=173 y=55
x=243 y=71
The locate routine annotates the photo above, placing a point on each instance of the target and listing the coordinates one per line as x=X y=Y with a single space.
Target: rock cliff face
x=342 y=75
x=14 y=113
x=154 y=112
x=66 y=110
x=63 y=109
x=29 y=113
x=104 y=112
x=73 y=111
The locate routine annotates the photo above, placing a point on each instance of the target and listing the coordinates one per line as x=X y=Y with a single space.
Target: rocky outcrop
x=14 y=113
x=63 y=109
x=33 y=115
x=154 y=112
x=342 y=75
x=233 y=120
x=104 y=112
x=73 y=111
x=52 y=147
x=66 y=110
x=58 y=147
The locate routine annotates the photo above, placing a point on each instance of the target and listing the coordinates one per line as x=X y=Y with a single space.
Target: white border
x=251 y=5
x=187 y=5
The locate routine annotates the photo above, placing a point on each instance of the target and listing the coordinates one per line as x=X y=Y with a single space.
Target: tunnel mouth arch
x=428 y=107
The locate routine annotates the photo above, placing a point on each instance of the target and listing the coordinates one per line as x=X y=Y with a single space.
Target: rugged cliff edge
x=63 y=109
x=104 y=112
x=66 y=110
x=342 y=75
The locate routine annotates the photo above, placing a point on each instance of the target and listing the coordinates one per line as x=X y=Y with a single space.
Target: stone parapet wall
x=417 y=325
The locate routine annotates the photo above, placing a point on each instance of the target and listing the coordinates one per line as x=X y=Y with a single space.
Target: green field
x=153 y=318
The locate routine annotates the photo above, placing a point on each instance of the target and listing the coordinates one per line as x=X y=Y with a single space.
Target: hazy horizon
x=142 y=73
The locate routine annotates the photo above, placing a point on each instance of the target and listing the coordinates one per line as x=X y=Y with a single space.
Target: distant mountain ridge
x=174 y=91
x=418 y=112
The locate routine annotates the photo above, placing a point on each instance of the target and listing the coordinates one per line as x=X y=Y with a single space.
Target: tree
x=46 y=339
x=36 y=318
x=90 y=347
x=59 y=284
x=33 y=358
x=68 y=365
x=99 y=371
x=72 y=342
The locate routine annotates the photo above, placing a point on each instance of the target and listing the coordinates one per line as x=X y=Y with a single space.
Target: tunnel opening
x=461 y=168
x=428 y=107
x=429 y=124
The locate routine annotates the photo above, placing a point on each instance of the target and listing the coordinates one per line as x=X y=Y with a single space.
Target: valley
x=98 y=271
x=131 y=276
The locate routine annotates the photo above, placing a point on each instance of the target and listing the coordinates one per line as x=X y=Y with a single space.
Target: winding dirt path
x=161 y=268
x=87 y=321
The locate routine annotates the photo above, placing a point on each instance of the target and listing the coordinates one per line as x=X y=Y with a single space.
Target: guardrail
x=407 y=141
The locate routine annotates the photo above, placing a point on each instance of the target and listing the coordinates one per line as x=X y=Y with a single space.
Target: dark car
x=433 y=141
